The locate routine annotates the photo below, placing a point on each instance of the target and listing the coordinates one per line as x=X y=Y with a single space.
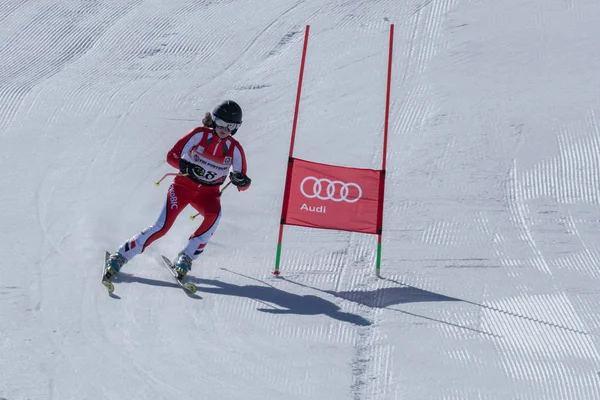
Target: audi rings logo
x=325 y=189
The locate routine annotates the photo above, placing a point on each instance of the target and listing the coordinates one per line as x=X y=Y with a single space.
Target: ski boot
x=114 y=264
x=182 y=265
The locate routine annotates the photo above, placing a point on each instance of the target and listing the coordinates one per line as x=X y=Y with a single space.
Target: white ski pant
x=205 y=199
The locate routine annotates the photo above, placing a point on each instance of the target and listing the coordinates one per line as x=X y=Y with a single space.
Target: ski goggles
x=222 y=124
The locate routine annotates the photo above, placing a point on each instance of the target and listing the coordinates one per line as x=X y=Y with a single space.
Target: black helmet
x=228 y=111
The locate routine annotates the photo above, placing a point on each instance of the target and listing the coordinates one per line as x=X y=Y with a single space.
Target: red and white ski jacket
x=215 y=156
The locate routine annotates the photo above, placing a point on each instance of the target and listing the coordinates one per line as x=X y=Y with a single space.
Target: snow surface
x=491 y=254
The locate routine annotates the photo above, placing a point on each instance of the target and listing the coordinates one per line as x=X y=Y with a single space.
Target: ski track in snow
x=490 y=276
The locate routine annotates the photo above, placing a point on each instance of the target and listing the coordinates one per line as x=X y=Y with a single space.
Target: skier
x=204 y=157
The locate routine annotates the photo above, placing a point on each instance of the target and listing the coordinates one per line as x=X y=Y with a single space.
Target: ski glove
x=240 y=180
x=192 y=171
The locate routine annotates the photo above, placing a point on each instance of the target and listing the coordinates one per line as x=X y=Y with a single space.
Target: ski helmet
x=229 y=111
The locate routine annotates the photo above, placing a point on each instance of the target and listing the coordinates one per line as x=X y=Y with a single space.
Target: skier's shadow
x=125 y=277
x=128 y=278
x=290 y=303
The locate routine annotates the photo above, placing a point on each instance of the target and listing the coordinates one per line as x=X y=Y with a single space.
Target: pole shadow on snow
x=502 y=311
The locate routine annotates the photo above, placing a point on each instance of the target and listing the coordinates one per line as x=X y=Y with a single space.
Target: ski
x=108 y=284
x=188 y=287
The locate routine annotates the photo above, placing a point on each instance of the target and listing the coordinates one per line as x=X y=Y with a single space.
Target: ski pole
x=157 y=183
x=193 y=217
x=225 y=187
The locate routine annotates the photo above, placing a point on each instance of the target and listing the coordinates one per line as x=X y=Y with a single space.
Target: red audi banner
x=332 y=197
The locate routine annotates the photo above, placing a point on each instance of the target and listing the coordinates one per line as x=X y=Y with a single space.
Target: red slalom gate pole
x=290 y=158
x=383 y=163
